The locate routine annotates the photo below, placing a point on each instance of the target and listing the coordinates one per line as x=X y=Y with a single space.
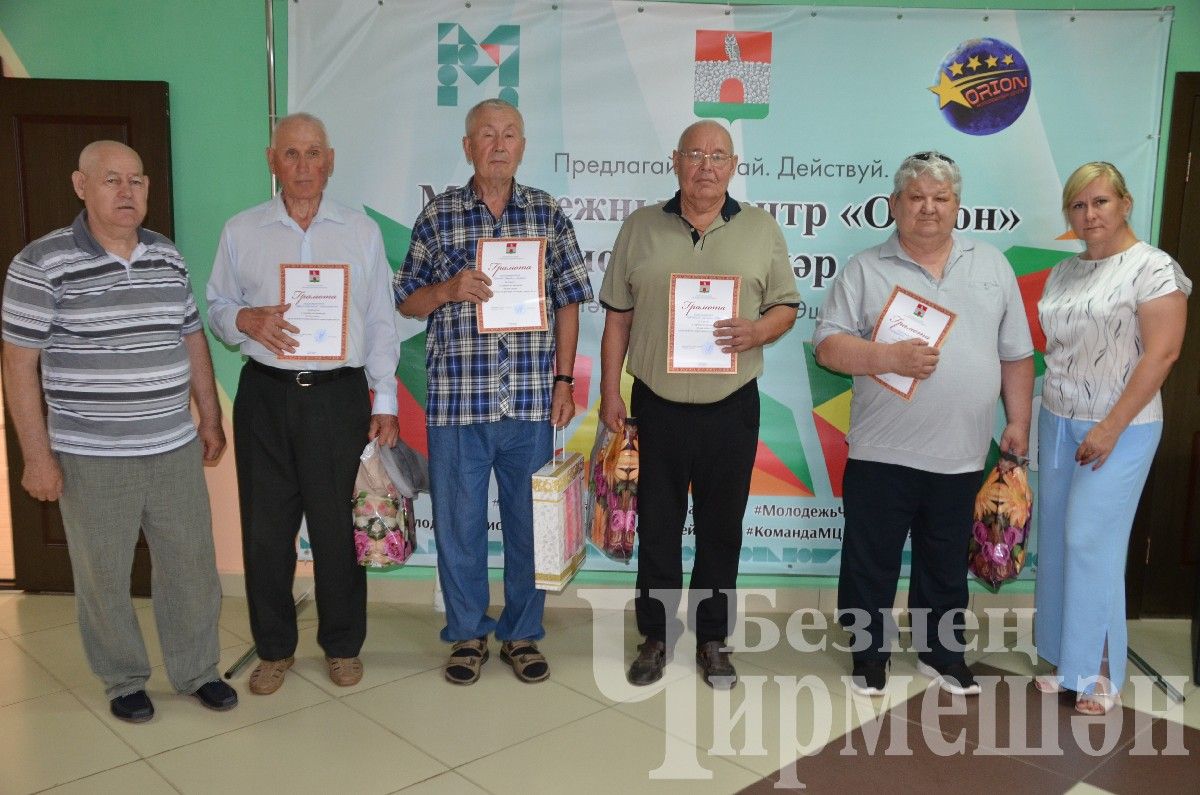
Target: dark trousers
x=711 y=447
x=297 y=453
x=882 y=503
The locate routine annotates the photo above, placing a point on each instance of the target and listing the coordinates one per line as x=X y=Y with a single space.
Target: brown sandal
x=527 y=662
x=267 y=676
x=466 y=659
x=344 y=671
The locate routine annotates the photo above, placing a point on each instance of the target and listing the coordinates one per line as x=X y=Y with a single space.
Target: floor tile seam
x=401 y=737
x=241 y=640
x=162 y=774
x=13 y=636
x=580 y=691
x=388 y=729
x=458 y=767
x=95 y=772
x=663 y=731
x=976 y=744
x=606 y=702
x=409 y=787
x=32 y=659
x=4 y=706
x=229 y=730
x=1113 y=755
x=107 y=727
x=1033 y=760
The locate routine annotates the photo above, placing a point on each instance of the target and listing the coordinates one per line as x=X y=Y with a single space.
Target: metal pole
x=1149 y=670
x=271 y=115
x=253 y=650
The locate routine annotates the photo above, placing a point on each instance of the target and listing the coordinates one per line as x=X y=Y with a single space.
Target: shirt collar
x=730 y=208
x=327 y=211
x=85 y=240
x=469 y=198
x=892 y=248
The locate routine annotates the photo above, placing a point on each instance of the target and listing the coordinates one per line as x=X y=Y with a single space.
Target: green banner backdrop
x=823 y=103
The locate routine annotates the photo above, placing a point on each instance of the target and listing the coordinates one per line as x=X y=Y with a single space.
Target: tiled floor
x=790 y=722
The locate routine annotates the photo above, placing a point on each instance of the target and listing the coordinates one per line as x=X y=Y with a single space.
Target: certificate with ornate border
x=697 y=302
x=320 y=297
x=907 y=316
x=516 y=266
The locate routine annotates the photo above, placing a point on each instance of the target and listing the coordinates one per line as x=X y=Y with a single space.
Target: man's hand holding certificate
x=918 y=325
x=697 y=303
x=516 y=267
x=318 y=296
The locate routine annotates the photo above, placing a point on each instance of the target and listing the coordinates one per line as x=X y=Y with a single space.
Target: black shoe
x=217 y=695
x=869 y=677
x=715 y=667
x=648 y=666
x=952 y=677
x=133 y=707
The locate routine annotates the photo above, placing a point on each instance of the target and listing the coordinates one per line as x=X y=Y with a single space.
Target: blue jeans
x=461 y=461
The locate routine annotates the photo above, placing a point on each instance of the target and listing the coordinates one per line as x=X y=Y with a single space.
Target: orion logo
x=983 y=86
x=733 y=74
x=460 y=54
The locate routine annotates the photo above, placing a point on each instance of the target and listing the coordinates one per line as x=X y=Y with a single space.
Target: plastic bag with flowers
x=1003 y=508
x=385 y=530
x=611 y=508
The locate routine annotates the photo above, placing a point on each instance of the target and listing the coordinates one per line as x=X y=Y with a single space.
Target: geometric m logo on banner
x=460 y=54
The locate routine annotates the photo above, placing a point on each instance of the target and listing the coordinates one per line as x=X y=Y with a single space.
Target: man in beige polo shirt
x=697 y=429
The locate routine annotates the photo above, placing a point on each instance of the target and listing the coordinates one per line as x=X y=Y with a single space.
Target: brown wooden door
x=1165 y=547
x=45 y=123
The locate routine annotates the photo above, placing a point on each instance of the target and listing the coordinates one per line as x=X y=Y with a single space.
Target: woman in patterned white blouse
x=1114 y=319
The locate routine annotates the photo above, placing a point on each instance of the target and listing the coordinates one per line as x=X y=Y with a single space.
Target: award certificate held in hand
x=697 y=302
x=319 y=296
x=908 y=316
x=516 y=267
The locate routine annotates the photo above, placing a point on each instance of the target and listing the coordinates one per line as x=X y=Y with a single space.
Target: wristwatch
x=569 y=380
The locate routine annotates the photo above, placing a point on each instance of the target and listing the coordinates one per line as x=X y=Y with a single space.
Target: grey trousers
x=105 y=501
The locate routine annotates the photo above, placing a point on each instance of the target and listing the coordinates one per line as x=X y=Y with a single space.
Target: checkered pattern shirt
x=475 y=377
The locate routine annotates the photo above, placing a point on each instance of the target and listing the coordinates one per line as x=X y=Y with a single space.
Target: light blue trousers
x=1084 y=520
x=105 y=501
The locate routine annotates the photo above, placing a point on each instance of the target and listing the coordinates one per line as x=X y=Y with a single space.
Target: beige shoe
x=267 y=676
x=344 y=671
x=466 y=658
x=527 y=662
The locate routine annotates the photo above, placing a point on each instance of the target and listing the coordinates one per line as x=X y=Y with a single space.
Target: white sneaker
x=953 y=677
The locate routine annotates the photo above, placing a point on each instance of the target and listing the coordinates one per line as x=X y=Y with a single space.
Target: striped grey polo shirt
x=115 y=371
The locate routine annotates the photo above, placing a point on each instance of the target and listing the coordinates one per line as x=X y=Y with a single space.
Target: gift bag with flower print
x=385 y=531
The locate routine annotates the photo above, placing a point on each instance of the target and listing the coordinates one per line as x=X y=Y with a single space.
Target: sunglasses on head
x=930 y=156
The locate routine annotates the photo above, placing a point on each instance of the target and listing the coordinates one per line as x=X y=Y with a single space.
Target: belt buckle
x=300 y=376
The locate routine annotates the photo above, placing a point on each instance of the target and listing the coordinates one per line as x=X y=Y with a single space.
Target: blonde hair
x=1083 y=176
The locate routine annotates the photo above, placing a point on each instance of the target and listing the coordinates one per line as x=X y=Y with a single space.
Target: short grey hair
x=492 y=104
x=299 y=118
x=931 y=164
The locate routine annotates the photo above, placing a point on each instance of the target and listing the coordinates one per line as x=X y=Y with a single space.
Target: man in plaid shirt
x=492 y=397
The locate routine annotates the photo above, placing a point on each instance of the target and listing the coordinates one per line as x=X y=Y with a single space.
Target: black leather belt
x=303 y=377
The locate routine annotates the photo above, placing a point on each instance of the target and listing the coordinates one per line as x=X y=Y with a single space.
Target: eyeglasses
x=931 y=156
x=716 y=159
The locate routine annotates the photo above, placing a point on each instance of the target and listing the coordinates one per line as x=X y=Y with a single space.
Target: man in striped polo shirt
x=106 y=307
